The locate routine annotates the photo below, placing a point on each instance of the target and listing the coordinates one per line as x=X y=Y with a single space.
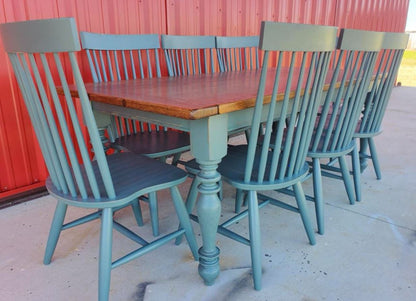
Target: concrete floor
x=367 y=253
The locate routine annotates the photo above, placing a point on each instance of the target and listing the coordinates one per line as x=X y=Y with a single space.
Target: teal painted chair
x=258 y=167
x=377 y=99
x=114 y=57
x=238 y=53
x=187 y=55
x=332 y=138
x=270 y=168
x=234 y=54
x=38 y=50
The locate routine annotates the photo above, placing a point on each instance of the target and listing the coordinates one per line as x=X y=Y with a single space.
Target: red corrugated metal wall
x=21 y=163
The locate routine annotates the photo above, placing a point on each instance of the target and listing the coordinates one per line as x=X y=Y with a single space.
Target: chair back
x=351 y=77
x=376 y=102
x=186 y=55
x=238 y=53
x=282 y=155
x=38 y=50
x=121 y=57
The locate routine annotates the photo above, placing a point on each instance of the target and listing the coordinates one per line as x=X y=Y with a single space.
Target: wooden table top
x=188 y=97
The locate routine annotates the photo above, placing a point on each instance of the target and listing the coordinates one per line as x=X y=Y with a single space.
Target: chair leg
x=374 y=158
x=255 y=240
x=55 y=231
x=190 y=202
x=163 y=159
x=238 y=200
x=137 y=210
x=347 y=179
x=363 y=153
x=104 y=264
x=220 y=196
x=184 y=220
x=318 y=195
x=154 y=214
x=192 y=194
x=176 y=158
x=301 y=201
x=356 y=173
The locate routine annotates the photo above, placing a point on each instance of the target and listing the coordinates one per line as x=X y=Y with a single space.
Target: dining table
x=208 y=106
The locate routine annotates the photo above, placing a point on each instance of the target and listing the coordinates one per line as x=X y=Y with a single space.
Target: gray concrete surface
x=367 y=253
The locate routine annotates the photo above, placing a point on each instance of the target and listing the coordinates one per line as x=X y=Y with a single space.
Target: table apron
x=163 y=120
x=236 y=120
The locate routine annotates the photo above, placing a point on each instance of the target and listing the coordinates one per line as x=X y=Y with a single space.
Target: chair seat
x=154 y=144
x=133 y=175
x=320 y=151
x=232 y=169
x=325 y=153
x=365 y=133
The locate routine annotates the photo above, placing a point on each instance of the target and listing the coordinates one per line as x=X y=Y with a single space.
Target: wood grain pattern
x=187 y=97
x=190 y=97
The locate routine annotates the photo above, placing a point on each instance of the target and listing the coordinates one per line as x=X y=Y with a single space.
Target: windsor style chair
x=114 y=57
x=238 y=53
x=38 y=51
x=338 y=116
x=257 y=167
x=187 y=55
x=377 y=99
x=234 y=54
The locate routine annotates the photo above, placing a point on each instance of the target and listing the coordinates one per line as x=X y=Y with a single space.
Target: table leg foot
x=209 y=267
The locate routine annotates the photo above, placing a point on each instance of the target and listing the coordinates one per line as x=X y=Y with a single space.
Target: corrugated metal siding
x=21 y=163
x=243 y=17
x=378 y=15
x=239 y=17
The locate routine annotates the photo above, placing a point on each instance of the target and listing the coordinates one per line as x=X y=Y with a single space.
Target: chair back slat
x=40 y=124
x=237 y=53
x=390 y=73
x=123 y=57
x=321 y=73
x=376 y=101
x=94 y=136
x=354 y=69
x=57 y=146
x=187 y=55
x=289 y=117
x=79 y=136
x=62 y=120
x=39 y=71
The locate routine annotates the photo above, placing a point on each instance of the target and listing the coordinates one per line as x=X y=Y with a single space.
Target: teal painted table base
x=209 y=146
